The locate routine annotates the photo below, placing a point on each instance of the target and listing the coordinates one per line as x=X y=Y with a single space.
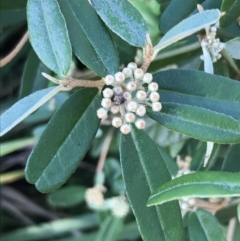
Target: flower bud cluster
x=119 y=206
x=212 y=44
x=94 y=196
x=127 y=95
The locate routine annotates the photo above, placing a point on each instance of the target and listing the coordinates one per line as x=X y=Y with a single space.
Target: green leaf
x=89 y=37
x=13 y=5
x=200 y=184
x=24 y=107
x=48 y=35
x=123 y=19
x=143 y=170
x=65 y=141
x=198 y=158
x=192 y=106
x=67 y=196
x=203 y=226
x=232 y=9
x=233 y=47
x=187 y=27
x=32 y=79
x=232 y=161
x=109 y=229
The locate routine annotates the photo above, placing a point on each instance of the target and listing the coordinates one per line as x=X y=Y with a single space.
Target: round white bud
x=147 y=78
x=140 y=124
x=109 y=80
x=125 y=129
x=219 y=56
x=106 y=103
x=118 y=90
x=102 y=113
x=141 y=110
x=127 y=96
x=116 y=122
x=213 y=29
x=184 y=206
x=119 y=77
x=115 y=109
x=141 y=95
x=191 y=201
x=156 y=106
x=108 y=93
x=221 y=46
x=130 y=117
x=215 y=45
x=132 y=106
x=131 y=86
x=153 y=86
x=127 y=72
x=138 y=73
x=132 y=66
x=154 y=96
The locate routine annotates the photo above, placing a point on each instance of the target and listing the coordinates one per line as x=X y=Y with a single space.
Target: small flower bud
x=109 y=80
x=129 y=117
x=184 y=206
x=138 y=73
x=108 y=93
x=125 y=129
x=116 y=122
x=204 y=44
x=127 y=96
x=140 y=124
x=132 y=66
x=153 y=86
x=115 y=109
x=191 y=201
x=119 y=77
x=219 y=56
x=213 y=29
x=154 y=96
x=131 y=86
x=127 y=72
x=141 y=95
x=118 y=90
x=141 y=110
x=106 y=103
x=132 y=106
x=156 y=106
x=147 y=78
x=102 y=113
x=221 y=46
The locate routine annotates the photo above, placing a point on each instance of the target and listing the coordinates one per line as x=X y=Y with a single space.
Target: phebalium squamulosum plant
x=175 y=62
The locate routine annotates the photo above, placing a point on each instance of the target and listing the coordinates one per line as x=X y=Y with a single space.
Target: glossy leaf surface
x=89 y=37
x=143 y=170
x=123 y=19
x=13 y=5
x=233 y=47
x=200 y=184
x=65 y=141
x=232 y=159
x=48 y=34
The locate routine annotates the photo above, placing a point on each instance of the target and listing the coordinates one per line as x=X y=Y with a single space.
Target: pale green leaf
x=233 y=48
x=231 y=161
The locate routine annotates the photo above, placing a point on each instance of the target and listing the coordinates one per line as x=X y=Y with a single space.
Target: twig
x=231 y=228
x=15 y=51
x=147 y=54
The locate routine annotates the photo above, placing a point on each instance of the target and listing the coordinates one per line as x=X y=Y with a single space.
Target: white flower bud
x=132 y=106
x=109 y=80
x=153 y=86
x=138 y=73
x=154 y=96
x=118 y=90
x=221 y=46
x=184 y=206
x=219 y=56
x=215 y=45
x=120 y=207
x=147 y=78
x=108 y=93
x=127 y=72
x=140 y=124
x=129 y=117
x=132 y=66
x=213 y=29
x=116 y=122
x=131 y=86
x=127 y=96
x=125 y=129
x=115 y=109
x=156 y=106
x=204 y=44
x=141 y=95
x=119 y=77
x=141 y=110
x=106 y=103
x=102 y=113
x=191 y=201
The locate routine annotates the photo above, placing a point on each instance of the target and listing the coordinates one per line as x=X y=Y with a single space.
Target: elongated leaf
x=192 y=106
x=232 y=9
x=208 y=64
x=187 y=27
x=123 y=19
x=198 y=158
x=200 y=184
x=233 y=47
x=13 y=5
x=24 y=108
x=64 y=142
x=48 y=34
x=32 y=79
x=67 y=196
x=203 y=226
x=90 y=39
x=232 y=160
x=143 y=170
